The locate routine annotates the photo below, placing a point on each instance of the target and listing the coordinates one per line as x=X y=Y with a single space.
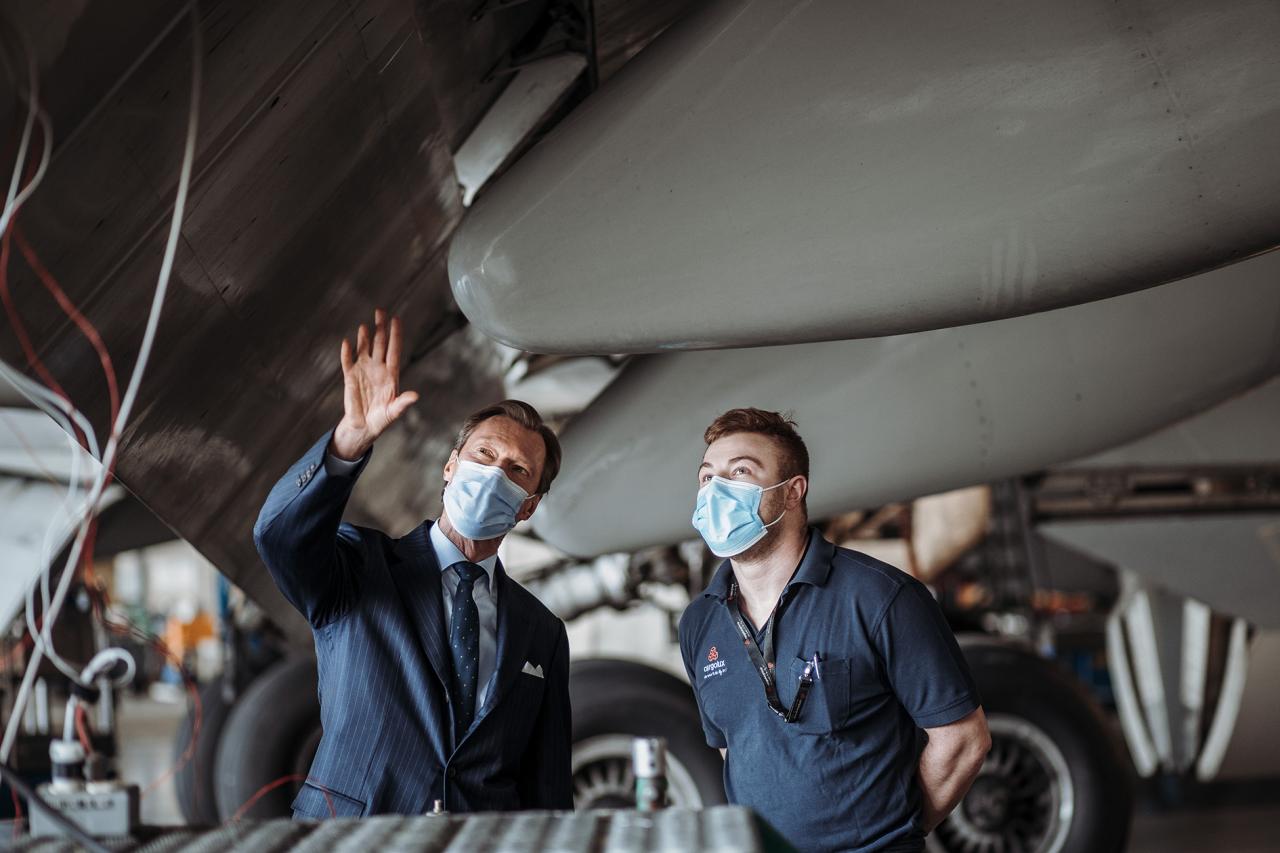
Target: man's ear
x=450 y=466
x=796 y=490
x=529 y=506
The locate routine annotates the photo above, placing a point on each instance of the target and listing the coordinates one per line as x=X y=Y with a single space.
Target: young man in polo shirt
x=828 y=679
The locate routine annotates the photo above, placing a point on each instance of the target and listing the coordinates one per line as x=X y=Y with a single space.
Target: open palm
x=371 y=398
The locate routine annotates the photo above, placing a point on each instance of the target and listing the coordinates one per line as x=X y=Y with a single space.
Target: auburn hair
x=777 y=426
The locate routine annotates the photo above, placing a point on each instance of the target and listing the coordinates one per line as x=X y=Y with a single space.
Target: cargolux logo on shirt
x=715 y=666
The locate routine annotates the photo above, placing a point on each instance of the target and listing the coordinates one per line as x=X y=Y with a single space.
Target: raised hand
x=371 y=396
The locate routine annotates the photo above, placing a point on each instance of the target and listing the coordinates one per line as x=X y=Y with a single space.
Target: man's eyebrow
x=733 y=460
x=513 y=456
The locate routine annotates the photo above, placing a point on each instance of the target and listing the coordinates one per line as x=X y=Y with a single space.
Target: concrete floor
x=148 y=728
x=1248 y=829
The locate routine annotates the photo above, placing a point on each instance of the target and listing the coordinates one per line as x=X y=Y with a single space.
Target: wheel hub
x=987 y=803
x=1023 y=799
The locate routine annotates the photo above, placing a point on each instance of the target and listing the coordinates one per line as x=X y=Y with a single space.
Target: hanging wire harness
x=73 y=754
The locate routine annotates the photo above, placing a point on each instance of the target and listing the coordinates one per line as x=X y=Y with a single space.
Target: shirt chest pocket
x=840 y=687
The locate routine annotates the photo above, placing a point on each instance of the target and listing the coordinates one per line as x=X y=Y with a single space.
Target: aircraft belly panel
x=899 y=417
x=1240 y=431
x=1231 y=563
x=781 y=172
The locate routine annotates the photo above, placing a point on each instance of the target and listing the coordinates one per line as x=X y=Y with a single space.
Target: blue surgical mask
x=728 y=515
x=481 y=501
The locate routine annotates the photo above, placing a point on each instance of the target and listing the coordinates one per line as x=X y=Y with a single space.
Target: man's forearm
x=944 y=780
x=949 y=764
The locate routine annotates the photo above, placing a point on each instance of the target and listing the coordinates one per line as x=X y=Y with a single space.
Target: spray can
x=649 y=764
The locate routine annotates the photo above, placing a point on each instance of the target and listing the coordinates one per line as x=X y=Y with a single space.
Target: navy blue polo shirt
x=843 y=776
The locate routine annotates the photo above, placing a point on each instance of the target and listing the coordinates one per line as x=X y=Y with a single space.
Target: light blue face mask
x=728 y=515
x=481 y=501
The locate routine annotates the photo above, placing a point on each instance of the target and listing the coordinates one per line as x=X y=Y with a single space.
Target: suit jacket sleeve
x=313 y=557
x=545 y=781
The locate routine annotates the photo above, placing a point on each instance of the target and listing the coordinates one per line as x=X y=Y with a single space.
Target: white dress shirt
x=484 y=592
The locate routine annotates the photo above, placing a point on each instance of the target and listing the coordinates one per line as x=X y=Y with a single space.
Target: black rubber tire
x=629 y=698
x=193 y=784
x=271 y=733
x=1016 y=682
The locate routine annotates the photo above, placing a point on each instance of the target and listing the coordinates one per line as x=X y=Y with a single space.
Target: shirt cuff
x=952 y=713
x=335 y=467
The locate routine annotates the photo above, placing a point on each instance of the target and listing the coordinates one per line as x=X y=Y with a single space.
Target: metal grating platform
x=724 y=829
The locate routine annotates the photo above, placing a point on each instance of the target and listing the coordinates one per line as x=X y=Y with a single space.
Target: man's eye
x=520 y=471
x=741 y=470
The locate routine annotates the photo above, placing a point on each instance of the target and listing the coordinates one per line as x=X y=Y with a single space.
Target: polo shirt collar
x=447 y=554
x=815 y=568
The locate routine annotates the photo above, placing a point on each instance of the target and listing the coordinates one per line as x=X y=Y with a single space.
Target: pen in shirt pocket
x=815 y=663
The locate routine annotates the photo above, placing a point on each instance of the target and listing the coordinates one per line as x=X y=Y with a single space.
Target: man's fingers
x=404 y=401
x=394 y=341
x=362 y=340
x=379 y=351
x=347 y=362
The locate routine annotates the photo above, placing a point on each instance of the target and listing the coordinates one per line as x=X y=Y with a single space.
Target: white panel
x=779 y=171
x=532 y=92
x=1196 y=621
x=1253 y=750
x=895 y=418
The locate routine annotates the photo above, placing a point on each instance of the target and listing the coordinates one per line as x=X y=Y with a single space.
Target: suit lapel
x=515 y=630
x=417 y=576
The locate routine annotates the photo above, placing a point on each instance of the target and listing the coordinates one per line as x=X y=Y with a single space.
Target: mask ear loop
x=784 y=511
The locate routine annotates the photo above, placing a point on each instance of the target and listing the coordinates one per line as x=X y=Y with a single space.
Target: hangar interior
x=1010 y=268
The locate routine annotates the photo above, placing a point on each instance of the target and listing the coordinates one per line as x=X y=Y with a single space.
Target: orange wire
x=82 y=729
x=271 y=786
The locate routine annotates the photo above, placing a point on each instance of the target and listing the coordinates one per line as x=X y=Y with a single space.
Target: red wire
x=271 y=786
x=19 y=328
x=68 y=307
x=17 y=813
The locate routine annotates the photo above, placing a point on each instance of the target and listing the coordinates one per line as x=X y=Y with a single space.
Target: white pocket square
x=530 y=669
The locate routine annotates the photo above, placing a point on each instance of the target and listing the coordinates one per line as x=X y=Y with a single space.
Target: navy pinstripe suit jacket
x=376 y=612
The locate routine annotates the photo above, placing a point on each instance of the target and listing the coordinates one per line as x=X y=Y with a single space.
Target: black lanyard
x=763 y=659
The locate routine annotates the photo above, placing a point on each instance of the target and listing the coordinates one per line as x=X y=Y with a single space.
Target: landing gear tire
x=193 y=783
x=1054 y=781
x=615 y=701
x=272 y=733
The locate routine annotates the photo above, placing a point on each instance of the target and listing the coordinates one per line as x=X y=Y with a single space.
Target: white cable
x=14 y=199
x=100 y=662
x=33 y=98
x=103 y=661
x=53 y=406
x=43 y=641
x=69 y=718
x=126 y=406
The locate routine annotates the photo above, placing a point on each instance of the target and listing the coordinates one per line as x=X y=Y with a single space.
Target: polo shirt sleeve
x=923 y=661
x=715 y=737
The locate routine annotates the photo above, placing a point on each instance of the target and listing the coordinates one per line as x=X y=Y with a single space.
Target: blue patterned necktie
x=464 y=645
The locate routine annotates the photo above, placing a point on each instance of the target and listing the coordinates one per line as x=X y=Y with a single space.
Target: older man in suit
x=440 y=677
